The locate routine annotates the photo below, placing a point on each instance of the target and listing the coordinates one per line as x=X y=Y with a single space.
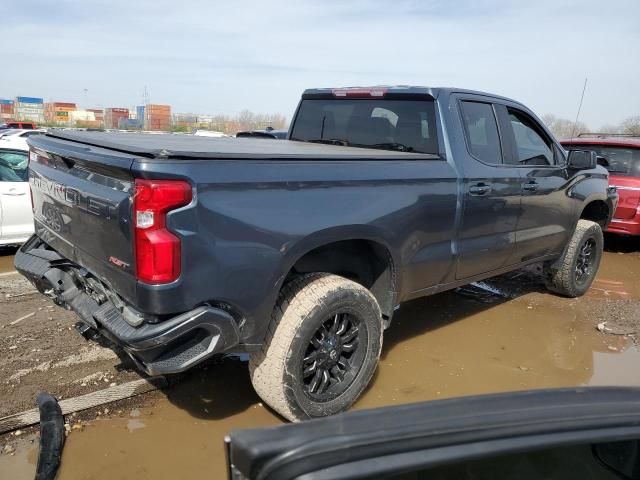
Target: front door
x=545 y=221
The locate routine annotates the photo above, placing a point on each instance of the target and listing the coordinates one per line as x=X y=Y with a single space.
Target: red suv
x=622 y=155
x=23 y=125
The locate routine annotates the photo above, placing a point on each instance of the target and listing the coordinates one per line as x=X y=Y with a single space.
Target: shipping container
x=98 y=113
x=112 y=116
x=64 y=105
x=129 y=123
x=157 y=109
x=32 y=106
x=29 y=100
x=89 y=124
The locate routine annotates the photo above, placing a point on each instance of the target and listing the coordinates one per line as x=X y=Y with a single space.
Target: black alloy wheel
x=585 y=261
x=333 y=357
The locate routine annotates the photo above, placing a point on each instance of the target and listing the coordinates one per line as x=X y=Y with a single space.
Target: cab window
x=533 y=147
x=13 y=167
x=481 y=131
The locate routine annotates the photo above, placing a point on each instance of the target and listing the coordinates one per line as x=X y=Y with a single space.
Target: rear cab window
x=398 y=125
x=481 y=131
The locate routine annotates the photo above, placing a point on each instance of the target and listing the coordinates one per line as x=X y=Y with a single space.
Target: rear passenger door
x=492 y=191
x=547 y=215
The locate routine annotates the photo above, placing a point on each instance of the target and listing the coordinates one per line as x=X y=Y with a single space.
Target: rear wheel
x=322 y=347
x=573 y=274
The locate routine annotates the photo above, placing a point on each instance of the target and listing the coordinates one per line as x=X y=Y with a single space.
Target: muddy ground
x=41 y=351
x=504 y=334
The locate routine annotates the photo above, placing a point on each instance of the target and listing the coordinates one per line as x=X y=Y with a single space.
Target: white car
x=16 y=216
x=17 y=138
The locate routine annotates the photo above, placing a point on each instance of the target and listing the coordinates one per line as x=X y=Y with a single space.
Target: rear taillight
x=157 y=249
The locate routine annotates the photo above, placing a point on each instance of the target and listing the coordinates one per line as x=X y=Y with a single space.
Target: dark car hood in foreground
x=352 y=445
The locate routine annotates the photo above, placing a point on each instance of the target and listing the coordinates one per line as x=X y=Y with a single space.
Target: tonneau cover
x=191 y=146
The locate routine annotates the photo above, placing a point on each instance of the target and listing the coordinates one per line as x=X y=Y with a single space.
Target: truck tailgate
x=82 y=199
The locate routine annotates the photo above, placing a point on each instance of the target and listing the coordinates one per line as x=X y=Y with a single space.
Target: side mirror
x=582 y=159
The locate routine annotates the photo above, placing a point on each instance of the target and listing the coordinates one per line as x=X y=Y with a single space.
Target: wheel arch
x=596 y=210
x=360 y=254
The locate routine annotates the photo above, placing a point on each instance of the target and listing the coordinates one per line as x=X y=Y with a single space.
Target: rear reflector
x=158 y=251
x=357 y=92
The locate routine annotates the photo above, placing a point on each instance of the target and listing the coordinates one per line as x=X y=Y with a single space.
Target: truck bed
x=193 y=147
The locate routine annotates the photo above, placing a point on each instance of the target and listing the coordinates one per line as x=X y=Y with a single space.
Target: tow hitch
x=86 y=331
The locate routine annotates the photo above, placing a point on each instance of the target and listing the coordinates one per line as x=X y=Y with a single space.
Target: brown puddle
x=443 y=346
x=618 y=276
x=6 y=259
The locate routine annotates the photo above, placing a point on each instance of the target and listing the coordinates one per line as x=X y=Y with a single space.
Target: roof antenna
x=579 y=108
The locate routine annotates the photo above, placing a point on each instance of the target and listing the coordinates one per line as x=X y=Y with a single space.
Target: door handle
x=13 y=194
x=531 y=186
x=479 y=189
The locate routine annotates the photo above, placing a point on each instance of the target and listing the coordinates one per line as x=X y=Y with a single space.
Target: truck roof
x=195 y=147
x=380 y=91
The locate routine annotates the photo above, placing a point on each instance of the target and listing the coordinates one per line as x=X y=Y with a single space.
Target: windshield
x=400 y=125
x=621 y=160
x=13 y=166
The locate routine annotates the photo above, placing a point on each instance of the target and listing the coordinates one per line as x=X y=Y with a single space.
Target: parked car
x=21 y=125
x=18 y=140
x=621 y=156
x=299 y=251
x=9 y=131
x=16 y=217
x=267 y=133
x=209 y=133
x=560 y=434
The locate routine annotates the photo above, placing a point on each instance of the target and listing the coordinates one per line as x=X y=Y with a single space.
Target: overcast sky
x=226 y=56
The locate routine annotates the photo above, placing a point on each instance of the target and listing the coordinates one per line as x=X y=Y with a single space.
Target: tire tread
x=297 y=298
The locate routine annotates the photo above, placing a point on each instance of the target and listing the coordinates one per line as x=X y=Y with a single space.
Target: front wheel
x=574 y=272
x=322 y=347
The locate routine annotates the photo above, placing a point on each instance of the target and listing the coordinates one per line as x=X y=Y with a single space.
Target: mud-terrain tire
x=316 y=315
x=573 y=273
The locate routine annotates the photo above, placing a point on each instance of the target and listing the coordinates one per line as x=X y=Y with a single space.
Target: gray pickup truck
x=298 y=251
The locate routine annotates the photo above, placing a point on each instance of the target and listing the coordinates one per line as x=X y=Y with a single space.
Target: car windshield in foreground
x=13 y=166
x=620 y=160
x=397 y=125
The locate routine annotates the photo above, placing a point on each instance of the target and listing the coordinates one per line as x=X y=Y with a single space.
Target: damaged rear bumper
x=169 y=346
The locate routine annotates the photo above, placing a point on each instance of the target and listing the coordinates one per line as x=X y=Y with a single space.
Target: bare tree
x=631 y=126
x=247 y=120
x=609 y=129
x=563 y=128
